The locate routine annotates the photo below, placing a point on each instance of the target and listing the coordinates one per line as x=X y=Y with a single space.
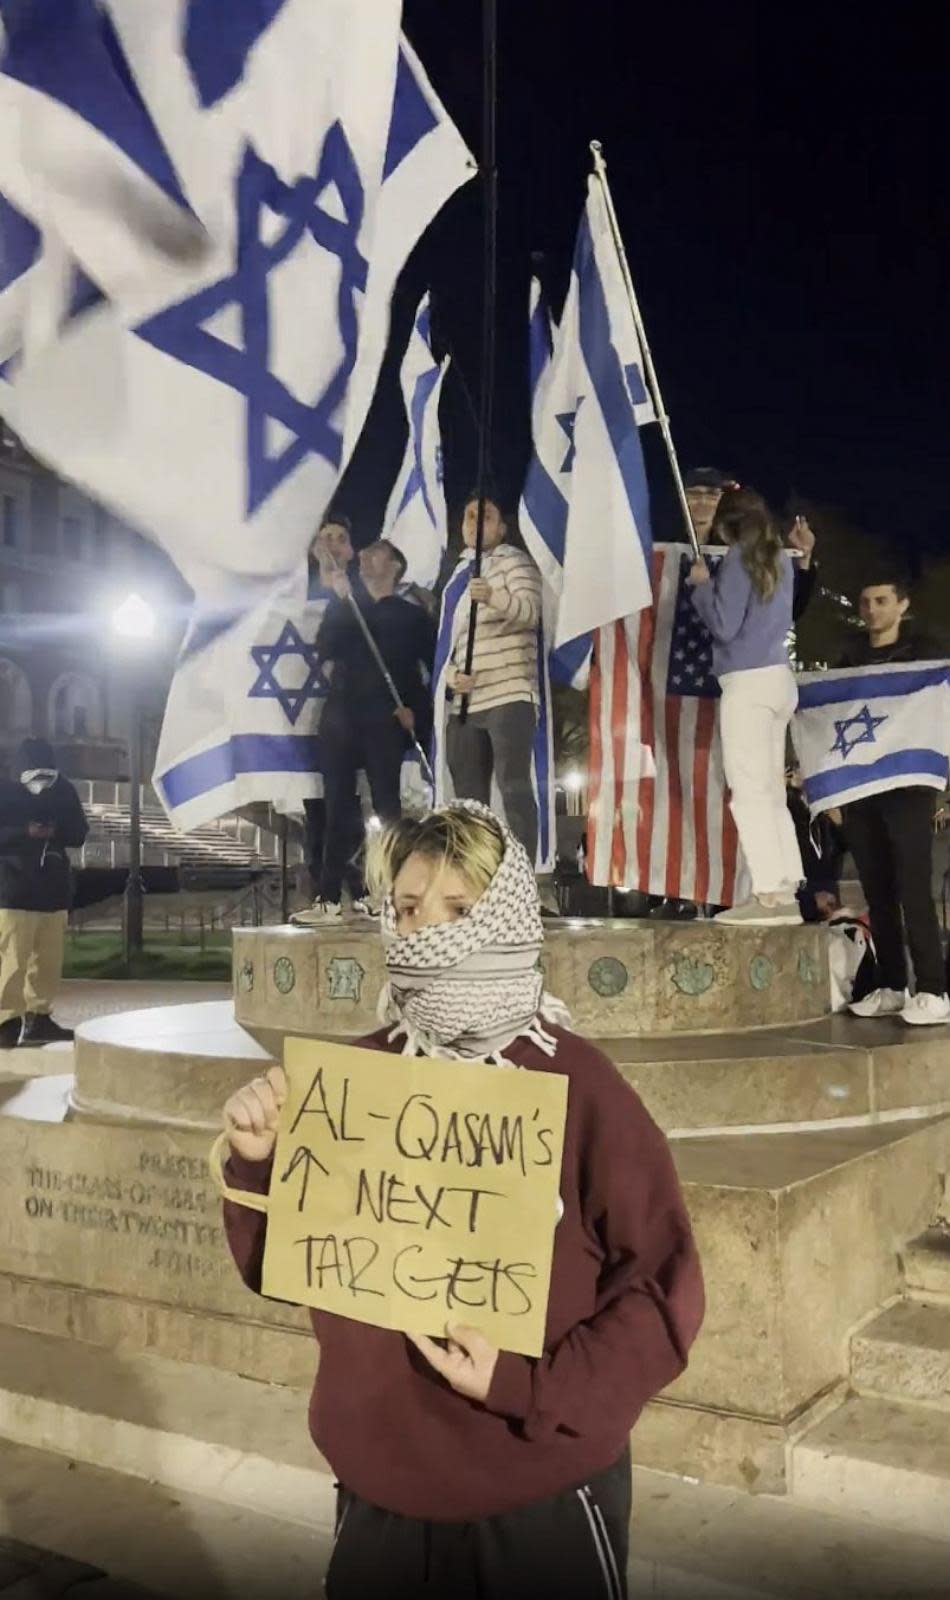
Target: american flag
x=658 y=816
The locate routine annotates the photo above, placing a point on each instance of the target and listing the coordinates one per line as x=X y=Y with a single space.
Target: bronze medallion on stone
x=691 y=975
x=345 y=978
x=608 y=977
x=808 y=969
x=284 y=975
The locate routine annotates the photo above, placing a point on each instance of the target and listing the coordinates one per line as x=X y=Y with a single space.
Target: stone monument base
x=812 y=1154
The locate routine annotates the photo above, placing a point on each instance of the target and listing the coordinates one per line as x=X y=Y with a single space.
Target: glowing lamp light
x=133 y=619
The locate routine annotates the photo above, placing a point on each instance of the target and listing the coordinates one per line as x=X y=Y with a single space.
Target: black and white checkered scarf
x=466 y=989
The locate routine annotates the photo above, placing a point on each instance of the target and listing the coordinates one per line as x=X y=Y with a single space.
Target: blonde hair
x=743 y=518
x=472 y=844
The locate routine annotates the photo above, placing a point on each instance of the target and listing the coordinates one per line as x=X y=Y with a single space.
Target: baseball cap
x=710 y=478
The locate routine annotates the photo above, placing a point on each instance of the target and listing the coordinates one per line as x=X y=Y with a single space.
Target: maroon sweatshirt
x=626 y=1303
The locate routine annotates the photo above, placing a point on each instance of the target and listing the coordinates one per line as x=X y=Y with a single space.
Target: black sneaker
x=39 y=1028
x=10 y=1033
x=674 y=911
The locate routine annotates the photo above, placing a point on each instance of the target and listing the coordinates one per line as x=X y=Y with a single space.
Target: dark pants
x=315 y=824
x=375 y=744
x=571 y=1547
x=498 y=742
x=891 y=838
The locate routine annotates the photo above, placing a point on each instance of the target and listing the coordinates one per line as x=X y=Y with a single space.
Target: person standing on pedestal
x=361 y=728
x=40 y=818
x=705 y=487
x=747 y=608
x=330 y=554
x=890 y=836
x=497 y=737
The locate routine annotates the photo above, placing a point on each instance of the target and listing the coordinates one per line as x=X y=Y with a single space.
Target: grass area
x=101 y=955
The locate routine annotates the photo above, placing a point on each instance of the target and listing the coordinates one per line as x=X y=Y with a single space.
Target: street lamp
x=133 y=628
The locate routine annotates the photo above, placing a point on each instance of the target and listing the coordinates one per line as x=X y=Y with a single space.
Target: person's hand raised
x=252 y=1114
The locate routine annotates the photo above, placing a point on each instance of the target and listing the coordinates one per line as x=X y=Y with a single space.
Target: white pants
x=757 y=707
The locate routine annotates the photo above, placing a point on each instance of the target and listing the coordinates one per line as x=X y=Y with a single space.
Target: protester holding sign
x=747 y=608
x=465 y=1468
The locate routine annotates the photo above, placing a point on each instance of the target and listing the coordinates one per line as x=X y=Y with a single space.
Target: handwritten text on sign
x=410 y=1193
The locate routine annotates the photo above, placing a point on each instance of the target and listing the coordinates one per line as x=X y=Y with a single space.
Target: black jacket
x=34 y=873
x=405 y=636
x=908 y=646
x=805 y=580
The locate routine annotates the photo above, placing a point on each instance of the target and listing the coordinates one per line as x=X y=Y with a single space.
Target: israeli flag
x=585 y=510
x=208 y=205
x=416 y=518
x=543 y=753
x=243 y=714
x=864 y=730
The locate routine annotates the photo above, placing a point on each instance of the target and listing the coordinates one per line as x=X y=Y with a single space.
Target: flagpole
x=490 y=276
x=600 y=169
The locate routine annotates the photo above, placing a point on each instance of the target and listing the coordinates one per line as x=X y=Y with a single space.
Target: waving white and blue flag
x=240 y=181
x=864 y=730
x=416 y=518
x=585 y=510
x=542 y=764
x=243 y=714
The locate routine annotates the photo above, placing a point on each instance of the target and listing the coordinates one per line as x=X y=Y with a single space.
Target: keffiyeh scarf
x=466 y=989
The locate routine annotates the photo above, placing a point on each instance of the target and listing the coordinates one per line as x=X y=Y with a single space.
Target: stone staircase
x=885 y=1453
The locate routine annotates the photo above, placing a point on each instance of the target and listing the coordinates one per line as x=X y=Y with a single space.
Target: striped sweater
x=505 y=663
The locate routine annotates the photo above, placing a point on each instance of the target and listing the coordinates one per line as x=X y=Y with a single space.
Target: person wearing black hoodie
x=41 y=816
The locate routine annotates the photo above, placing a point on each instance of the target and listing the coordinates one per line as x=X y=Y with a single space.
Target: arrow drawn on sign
x=305 y=1158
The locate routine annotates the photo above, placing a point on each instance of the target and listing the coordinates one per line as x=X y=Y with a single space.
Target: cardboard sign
x=411 y=1193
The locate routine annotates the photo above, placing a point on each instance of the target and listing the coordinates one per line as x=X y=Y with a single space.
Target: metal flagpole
x=600 y=169
x=490 y=274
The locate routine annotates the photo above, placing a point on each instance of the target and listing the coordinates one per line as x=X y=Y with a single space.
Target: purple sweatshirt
x=747 y=631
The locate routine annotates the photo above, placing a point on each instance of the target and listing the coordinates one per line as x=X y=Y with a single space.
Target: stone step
x=905 y=1354
x=926 y=1263
x=177 y=1064
x=688 y=1541
x=188 y=1428
x=880 y=1459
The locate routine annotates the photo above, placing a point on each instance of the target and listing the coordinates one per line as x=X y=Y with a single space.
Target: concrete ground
x=83 y=998
x=690 y=1543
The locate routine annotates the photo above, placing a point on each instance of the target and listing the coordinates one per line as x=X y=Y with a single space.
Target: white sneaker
x=753 y=914
x=926 y=1010
x=364 y=908
x=879 y=1003
x=318 y=915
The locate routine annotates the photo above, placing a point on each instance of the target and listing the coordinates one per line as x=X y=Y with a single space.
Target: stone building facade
x=65 y=563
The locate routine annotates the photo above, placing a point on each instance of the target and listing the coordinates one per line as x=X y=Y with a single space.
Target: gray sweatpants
x=498 y=742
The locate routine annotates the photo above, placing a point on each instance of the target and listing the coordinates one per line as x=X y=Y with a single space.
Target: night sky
x=781 y=178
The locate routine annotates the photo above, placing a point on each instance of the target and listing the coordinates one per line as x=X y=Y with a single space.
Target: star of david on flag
x=183 y=331
x=242 y=723
x=852 y=731
x=246 y=218
x=568 y=421
x=865 y=730
x=270 y=685
x=416 y=517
